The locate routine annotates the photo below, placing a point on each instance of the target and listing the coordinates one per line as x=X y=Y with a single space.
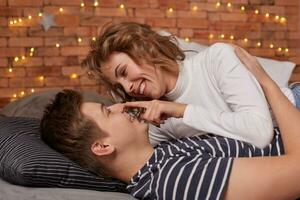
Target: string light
x=94 y=39
x=40 y=14
x=32 y=90
x=267 y=15
x=229 y=5
x=279 y=49
x=22 y=93
x=74 y=76
x=286 y=50
x=271 y=46
x=10 y=70
x=82 y=5
x=170 y=10
x=61 y=10
x=256 y=12
x=282 y=19
x=11 y=22
x=277 y=17
x=122 y=6
x=211 y=36
x=246 y=40
x=195 y=8
x=243 y=8
x=187 y=39
x=79 y=40
x=222 y=36
x=57 y=45
x=29 y=17
x=231 y=37
x=96 y=3
x=23 y=57
x=218 y=4
x=258 y=44
x=41 y=78
x=20 y=20
x=16 y=59
x=15 y=21
x=15 y=95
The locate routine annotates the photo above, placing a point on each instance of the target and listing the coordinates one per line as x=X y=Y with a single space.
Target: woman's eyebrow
x=116 y=71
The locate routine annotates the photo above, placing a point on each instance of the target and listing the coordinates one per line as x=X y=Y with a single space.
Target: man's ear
x=100 y=149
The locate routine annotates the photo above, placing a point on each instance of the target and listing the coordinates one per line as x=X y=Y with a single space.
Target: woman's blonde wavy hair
x=139 y=42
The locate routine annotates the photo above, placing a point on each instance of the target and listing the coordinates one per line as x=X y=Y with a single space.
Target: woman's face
x=141 y=80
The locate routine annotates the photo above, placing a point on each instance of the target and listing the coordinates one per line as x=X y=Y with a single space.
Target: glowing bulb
x=256 y=12
x=243 y=8
x=218 y=4
x=286 y=50
x=15 y=21
x=122 y=6
x=258 y=44
x=29 y=17
x=73 y=76
x=267 y=15
x=41 y=78
x=279 y=49
x=282 y=19
x=94 y=39
x=61 y=10
x=16 y=59
x=211 y=36
x=57 y=45
x=271 y=46
x=31 y=54
x=222 y=36
x=170 y=10
x=187 y=39
x=40 y=14
x=79 y=40
x=31 y=49
x=10 y=70
x=195 y=8
x=245 y=39
x=11 y=22
x=96 y=3
x=277 y=17
x=231 y=37
x=23 y=57
x=82 y=4
x=229 y=5
x=20 y=20
x=32 y=90
x=22 y=93
x=15 y=95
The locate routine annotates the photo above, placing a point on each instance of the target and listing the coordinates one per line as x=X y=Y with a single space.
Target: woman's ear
x=100 y=149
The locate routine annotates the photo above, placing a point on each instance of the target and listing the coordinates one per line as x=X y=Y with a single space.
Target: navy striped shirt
x=194 y=167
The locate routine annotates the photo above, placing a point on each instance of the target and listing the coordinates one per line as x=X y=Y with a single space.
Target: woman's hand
x=252 y=64
x=157 y=111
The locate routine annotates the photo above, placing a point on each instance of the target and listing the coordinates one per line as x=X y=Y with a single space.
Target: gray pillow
x=33 y=105
x=26 y=160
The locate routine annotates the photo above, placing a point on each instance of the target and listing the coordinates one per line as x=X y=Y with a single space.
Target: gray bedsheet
x=14 y=192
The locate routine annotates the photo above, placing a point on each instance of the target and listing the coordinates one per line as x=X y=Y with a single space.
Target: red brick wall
x=52 y=67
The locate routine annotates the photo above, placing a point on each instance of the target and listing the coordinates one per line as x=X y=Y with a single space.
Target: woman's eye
x=124 y=73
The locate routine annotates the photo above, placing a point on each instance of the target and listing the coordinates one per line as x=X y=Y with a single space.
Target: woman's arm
x=269 y=177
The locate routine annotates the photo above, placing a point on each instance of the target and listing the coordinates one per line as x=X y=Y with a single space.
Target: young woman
x=213 y=88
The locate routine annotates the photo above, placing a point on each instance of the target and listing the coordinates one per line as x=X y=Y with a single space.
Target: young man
x=116 y=145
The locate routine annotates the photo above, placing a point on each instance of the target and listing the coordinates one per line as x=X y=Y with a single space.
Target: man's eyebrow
x=116 y=71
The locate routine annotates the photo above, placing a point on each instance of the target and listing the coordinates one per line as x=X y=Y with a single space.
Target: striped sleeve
x=194 y=177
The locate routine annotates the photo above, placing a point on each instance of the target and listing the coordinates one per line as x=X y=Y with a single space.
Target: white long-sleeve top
x=223 y=98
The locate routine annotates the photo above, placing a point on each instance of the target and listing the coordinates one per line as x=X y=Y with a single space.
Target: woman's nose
x=128 y=87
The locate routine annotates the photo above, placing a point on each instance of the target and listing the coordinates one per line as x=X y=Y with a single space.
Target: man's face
x=121 y=131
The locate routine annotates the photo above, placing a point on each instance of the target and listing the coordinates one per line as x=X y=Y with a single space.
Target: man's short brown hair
x=64 y=128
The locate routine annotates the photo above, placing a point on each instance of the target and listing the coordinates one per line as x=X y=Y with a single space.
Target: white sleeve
x=249 y=119
x=159 y=134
